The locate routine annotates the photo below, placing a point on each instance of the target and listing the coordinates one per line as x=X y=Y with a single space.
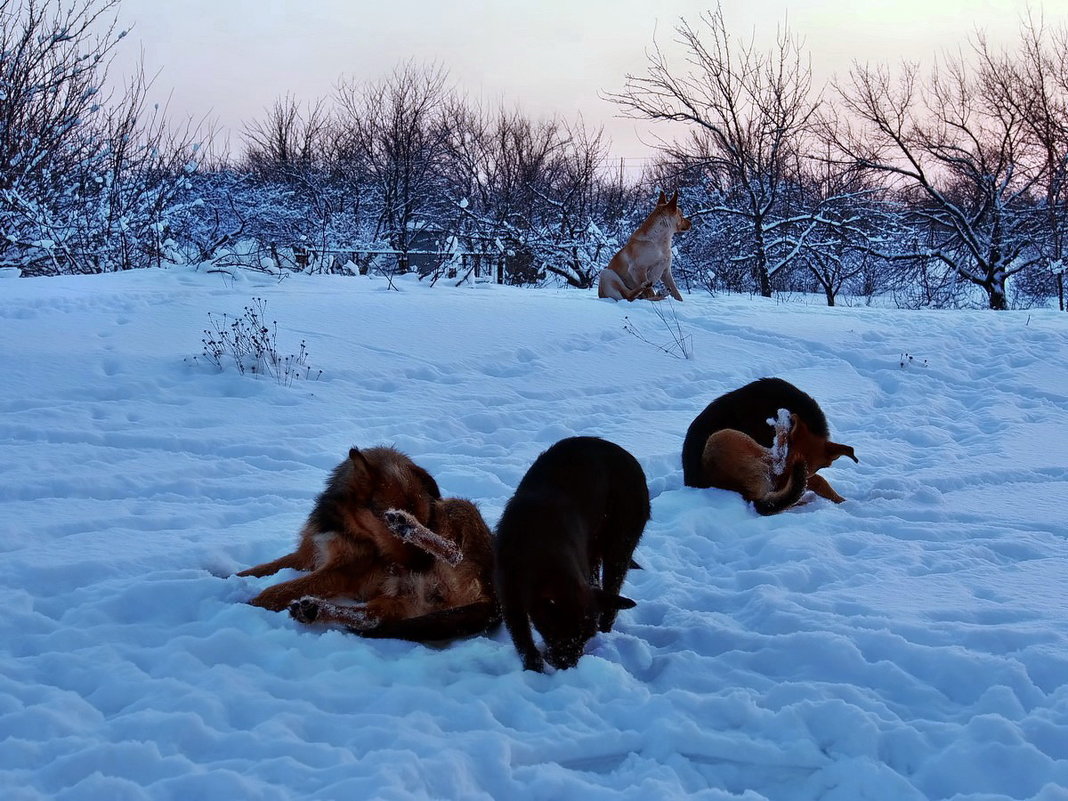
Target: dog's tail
x=787 y=496
x=438 y=626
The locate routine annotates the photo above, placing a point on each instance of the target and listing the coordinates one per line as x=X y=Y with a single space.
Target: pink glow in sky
x=228 y=60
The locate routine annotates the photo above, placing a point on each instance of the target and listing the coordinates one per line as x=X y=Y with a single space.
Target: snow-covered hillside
x=911 y=643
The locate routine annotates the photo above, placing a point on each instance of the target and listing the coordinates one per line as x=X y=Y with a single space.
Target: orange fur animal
x=386 y=556
x=771 y=478
x=646 y=258
x=453 y=597
x=345 y=546
x=747 y=409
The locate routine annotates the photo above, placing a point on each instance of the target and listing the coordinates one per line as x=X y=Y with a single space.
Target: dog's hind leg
x=357 y=616
x=643 y=291
x=301 y=559
x=310 y=609
x=612 y=285
x=325 y=583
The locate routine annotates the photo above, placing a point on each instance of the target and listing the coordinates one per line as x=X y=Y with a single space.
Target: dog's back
x=575 y=518
x=748 y=409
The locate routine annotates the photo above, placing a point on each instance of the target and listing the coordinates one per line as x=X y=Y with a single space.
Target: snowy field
x=911 y=643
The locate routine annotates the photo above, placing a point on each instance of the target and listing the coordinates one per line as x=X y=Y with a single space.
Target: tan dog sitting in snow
x=646 y=258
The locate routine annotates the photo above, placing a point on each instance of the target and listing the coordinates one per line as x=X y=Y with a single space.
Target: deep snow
x=911 y=643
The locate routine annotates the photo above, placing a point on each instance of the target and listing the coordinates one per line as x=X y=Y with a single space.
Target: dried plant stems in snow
x=252 y=345
x=681 y=344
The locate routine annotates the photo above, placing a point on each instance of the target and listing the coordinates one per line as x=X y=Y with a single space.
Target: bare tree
x=748 y=112
x=53 y=65
x=1034 y=82
x=842 y=219
x=958 y=152
x=287 y=138
x=500 y=173
x=393 y=135
x=288 y=155
x=88 y=182
x=578 y=245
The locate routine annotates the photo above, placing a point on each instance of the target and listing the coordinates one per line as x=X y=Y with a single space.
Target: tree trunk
x=763 y=279
x=996 y=292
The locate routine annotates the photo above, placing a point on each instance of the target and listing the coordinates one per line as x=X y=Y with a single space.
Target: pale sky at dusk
x=228 y=60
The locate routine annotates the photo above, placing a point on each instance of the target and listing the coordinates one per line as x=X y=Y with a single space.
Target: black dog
x=748 y=409
x=564 y=544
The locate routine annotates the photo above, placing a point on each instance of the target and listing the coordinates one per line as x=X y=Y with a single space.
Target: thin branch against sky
x=230 y=60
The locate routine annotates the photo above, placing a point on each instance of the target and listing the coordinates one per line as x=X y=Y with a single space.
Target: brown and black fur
x=383 y=554
x=748 y=410
x=453 y=597
x=564 y=544
x=773 y=478
x=345 y=544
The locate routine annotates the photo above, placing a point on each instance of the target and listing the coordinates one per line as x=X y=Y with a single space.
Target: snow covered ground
x=911 y=643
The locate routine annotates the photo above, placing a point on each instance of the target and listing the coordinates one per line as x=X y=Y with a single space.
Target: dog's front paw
x=305 y=610
x=399 y=520
x=534 y=661
x=408 y=528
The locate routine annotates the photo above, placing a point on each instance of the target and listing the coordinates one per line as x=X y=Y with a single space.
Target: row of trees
x=929 y=186
x=936 y=189
x=404 y=166
x=89 y=177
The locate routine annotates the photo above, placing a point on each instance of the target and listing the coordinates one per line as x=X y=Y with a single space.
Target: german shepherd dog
x=370 y=543
x=771 y=478
x=564 y=544
x=748 y=410
x=646 y=258
x=453 y=597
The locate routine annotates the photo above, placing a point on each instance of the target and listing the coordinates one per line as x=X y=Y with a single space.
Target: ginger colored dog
x=382 y=545
x=646 y=258
x=771 y=478
x=747 y=410
x=453 y=597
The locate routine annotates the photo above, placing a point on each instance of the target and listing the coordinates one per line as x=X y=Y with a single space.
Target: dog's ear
x=429 y=485
x=674 y=202
x=662 y=200
x=362 y=471
x=835 y=449
x=606 y=601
